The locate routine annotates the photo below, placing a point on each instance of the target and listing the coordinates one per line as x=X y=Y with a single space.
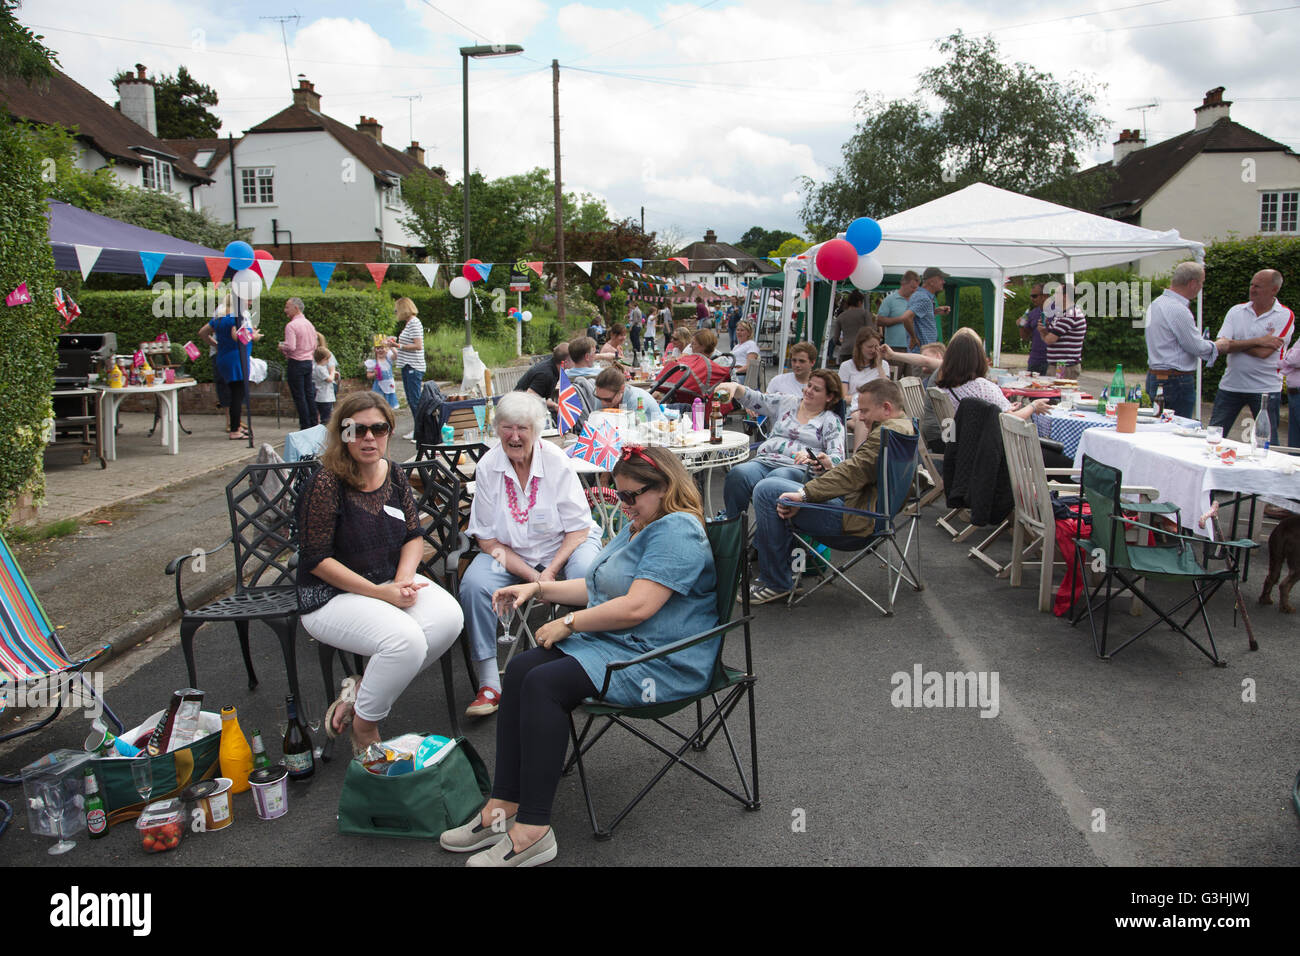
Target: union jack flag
x=570 y=404
x=598 y=444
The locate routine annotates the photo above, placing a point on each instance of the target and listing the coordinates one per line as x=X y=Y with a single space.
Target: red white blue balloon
x=864 y=235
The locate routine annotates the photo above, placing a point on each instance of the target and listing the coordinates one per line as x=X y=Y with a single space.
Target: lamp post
x=478 y=53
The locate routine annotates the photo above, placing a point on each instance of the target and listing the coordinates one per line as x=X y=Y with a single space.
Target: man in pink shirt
x=300 y=341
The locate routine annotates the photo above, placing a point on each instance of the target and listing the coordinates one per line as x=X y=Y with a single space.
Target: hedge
x=27 y=334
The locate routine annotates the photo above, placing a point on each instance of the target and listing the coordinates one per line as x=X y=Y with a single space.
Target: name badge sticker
x=542 y=520
x=395 y=512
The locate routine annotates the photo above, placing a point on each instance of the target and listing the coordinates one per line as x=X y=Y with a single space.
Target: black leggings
x=236 y=403
x=539 y=690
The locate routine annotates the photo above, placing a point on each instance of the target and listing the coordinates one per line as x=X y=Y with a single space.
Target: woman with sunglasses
x=653 y=584
x=532 y=523
x=360 y=544
x=806 y=433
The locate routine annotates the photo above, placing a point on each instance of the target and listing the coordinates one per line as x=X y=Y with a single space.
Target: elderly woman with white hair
x=532 y=522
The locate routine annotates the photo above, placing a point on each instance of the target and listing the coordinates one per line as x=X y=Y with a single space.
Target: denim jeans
x=1293 y=416
x=774 y=537
x=1228 y=405
x=1180 y=393
x=412 y=382
x=303 y=390
x=738 y=488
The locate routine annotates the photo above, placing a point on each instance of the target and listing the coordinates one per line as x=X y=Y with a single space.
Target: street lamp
x=478 y=53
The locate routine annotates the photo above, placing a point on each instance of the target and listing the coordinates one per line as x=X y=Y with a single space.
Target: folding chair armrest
x=1239 y=543
x=1060 y=472
x=177 y=565
x=668 y=649
x=1151 y=507
x=840 y=509
x=1142 y=491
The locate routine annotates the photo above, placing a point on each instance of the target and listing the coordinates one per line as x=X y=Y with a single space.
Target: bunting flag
x=429 y=270
x=584 y=266
x=20 y=296
x=270 y=269
x=536 y=267
x=774 y=259
x=151 y=261
x=599 y=444
x=636 y=262
x=570 y=405
x=483 y=268
x=87 y=256
x=216 y=267
x=377 y=272
x=323 y=272
x=686 y=264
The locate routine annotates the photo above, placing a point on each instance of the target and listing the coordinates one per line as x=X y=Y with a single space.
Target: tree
x=1006 y=125
x=22 y=54
x=180 y=106
x=791 y=247
x=163 y=212
x=757 y=240
x=64 y=179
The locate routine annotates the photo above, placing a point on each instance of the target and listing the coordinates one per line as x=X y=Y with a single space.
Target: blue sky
x=708 y=114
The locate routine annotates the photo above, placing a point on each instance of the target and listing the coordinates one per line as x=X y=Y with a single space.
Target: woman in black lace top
x=360 y=545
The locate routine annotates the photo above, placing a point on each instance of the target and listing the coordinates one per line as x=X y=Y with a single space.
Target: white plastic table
x=111 y=400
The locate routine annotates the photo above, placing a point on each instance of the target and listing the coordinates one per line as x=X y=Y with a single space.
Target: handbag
x=419 y=805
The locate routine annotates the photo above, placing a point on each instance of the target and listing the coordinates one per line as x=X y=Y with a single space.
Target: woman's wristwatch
x=568 y=621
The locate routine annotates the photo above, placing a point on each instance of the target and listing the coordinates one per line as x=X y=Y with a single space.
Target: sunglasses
x=630 y=497
x=379 y=429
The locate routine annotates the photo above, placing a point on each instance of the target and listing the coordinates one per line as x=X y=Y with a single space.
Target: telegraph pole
x=559 y=198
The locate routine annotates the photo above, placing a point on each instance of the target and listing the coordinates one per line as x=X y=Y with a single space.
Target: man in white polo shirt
x=1257 y=333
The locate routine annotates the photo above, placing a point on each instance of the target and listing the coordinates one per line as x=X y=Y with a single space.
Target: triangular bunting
x=270 y=269
x=482 y=268
x=774 y=259
x=584 y=266
x=87 y=256
x=429 y=270
x=151 y=261
x=323 y=272
x=377 y=272
x=216 y=267
x=536 y=267
x=686 y=263
x=636 y=262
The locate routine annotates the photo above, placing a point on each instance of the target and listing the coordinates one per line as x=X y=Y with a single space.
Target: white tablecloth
x=1184 y=474
x=1068 y=427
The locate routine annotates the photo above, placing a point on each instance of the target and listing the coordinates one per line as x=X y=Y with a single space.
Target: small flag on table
x=570 y=404
x=598 y=444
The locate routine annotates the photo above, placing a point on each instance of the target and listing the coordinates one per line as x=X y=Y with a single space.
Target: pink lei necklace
x=513 y=502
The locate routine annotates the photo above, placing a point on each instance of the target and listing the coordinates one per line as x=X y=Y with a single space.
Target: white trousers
x=400 y=642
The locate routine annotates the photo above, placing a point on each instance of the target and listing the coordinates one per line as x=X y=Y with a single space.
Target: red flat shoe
x=485 y=703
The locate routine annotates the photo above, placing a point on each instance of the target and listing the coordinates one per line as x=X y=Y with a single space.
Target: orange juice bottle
x=236 y=756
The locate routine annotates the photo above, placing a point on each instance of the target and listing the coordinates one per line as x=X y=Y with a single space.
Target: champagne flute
x=312 y=714
x=281 y=723
x=54 y=799
x=142 y=775
x=506 y=615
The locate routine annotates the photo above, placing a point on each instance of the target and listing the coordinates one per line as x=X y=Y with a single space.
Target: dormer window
x=156 y=174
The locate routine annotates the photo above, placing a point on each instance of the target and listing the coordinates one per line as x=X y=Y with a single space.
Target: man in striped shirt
x=1063 y=327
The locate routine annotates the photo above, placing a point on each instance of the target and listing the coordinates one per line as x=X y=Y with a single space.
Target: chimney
x=1130 y=141
x=416 y=152
x=710 y=237
x=306 y=96
x=370 y=126
x=136 y=95
x=1213 y=109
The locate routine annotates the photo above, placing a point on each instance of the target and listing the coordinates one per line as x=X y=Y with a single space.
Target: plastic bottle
x=236 y=755
x=1159 y=400
x=1263 y=426
x=697 y=415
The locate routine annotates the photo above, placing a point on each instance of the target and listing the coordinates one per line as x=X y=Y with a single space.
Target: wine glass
x=506 y=615
x=281 y=722
x=54 y=800
x=311 y=713
x=1213 y=435
x=142 y=775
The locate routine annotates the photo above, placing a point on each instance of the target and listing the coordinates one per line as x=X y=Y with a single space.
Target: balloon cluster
x=247 y=280
x=850 y=258
x=604 y=293
x=518 y=316
x=469 y=274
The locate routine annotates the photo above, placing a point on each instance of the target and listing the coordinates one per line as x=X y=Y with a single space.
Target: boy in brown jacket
x=852 y=483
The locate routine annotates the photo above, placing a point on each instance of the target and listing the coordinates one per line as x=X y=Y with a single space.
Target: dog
x=1283 y=545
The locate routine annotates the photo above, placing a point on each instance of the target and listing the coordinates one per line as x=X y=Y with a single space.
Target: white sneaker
x=409 y=436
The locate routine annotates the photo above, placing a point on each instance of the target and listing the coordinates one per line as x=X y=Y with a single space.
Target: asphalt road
x=1156 y=758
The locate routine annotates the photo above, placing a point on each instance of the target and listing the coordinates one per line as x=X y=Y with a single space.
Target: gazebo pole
x=245 y=365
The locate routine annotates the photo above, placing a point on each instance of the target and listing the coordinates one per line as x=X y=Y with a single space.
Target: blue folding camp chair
x=31 y=651
x=895 y=481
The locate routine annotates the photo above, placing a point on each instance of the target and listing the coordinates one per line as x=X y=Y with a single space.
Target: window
x=1279 y=211
x=156 y=174
x=203 y=157
x=393 y=195
x=257 y=186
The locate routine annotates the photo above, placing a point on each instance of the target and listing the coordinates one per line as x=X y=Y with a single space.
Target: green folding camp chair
x=30 y=652
x=1170 y=557
x=726 y=690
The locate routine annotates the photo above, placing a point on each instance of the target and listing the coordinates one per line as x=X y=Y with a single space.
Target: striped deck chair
x=30 y=649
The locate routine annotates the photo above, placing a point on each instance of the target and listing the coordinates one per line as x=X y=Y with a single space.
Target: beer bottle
x=260 y=759
x=96 y=817
x=715 y=423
